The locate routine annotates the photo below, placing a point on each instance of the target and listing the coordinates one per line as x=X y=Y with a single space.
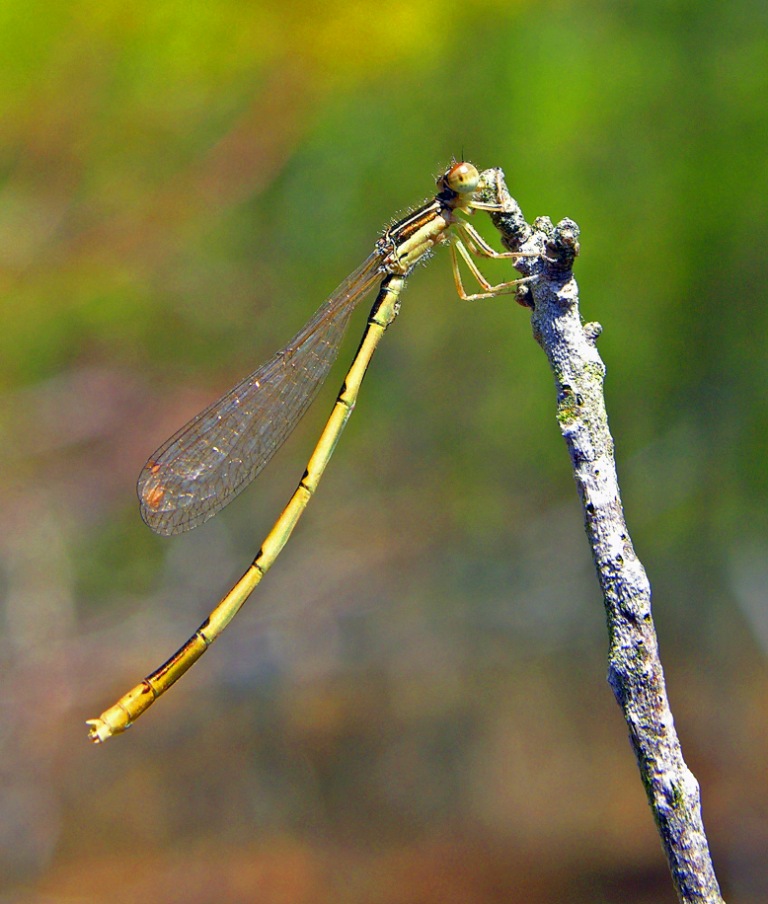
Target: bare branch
x=634 y=670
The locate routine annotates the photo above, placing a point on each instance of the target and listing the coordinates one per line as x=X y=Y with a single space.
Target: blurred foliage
x=416 y=702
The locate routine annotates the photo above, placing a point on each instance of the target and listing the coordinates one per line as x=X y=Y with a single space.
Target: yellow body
x=400 y=248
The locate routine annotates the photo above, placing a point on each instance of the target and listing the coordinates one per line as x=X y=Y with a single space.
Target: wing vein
x=203 y=466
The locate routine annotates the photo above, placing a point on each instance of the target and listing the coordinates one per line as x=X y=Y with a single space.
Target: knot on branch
x=592 y=332
x=563 y=244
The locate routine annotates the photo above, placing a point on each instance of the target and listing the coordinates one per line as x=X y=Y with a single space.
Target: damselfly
x=209 y=461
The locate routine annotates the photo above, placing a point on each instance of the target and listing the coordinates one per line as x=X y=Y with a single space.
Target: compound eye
x=462 y=178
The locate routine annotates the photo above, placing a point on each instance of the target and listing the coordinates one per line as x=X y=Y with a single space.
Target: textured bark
x=634 y=669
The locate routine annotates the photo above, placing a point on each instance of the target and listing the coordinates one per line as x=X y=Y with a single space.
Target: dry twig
x=634 y=672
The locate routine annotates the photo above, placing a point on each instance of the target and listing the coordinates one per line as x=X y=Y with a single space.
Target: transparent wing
x=219 y=452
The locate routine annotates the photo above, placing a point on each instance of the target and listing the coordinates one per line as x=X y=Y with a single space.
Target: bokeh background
x=413 y=707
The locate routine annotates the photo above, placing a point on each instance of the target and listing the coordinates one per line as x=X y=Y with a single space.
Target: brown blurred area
x=413 y=707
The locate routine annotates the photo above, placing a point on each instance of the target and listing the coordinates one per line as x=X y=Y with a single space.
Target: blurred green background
x=413 y=707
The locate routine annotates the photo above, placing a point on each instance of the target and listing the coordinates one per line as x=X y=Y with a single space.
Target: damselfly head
x=462 y=178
